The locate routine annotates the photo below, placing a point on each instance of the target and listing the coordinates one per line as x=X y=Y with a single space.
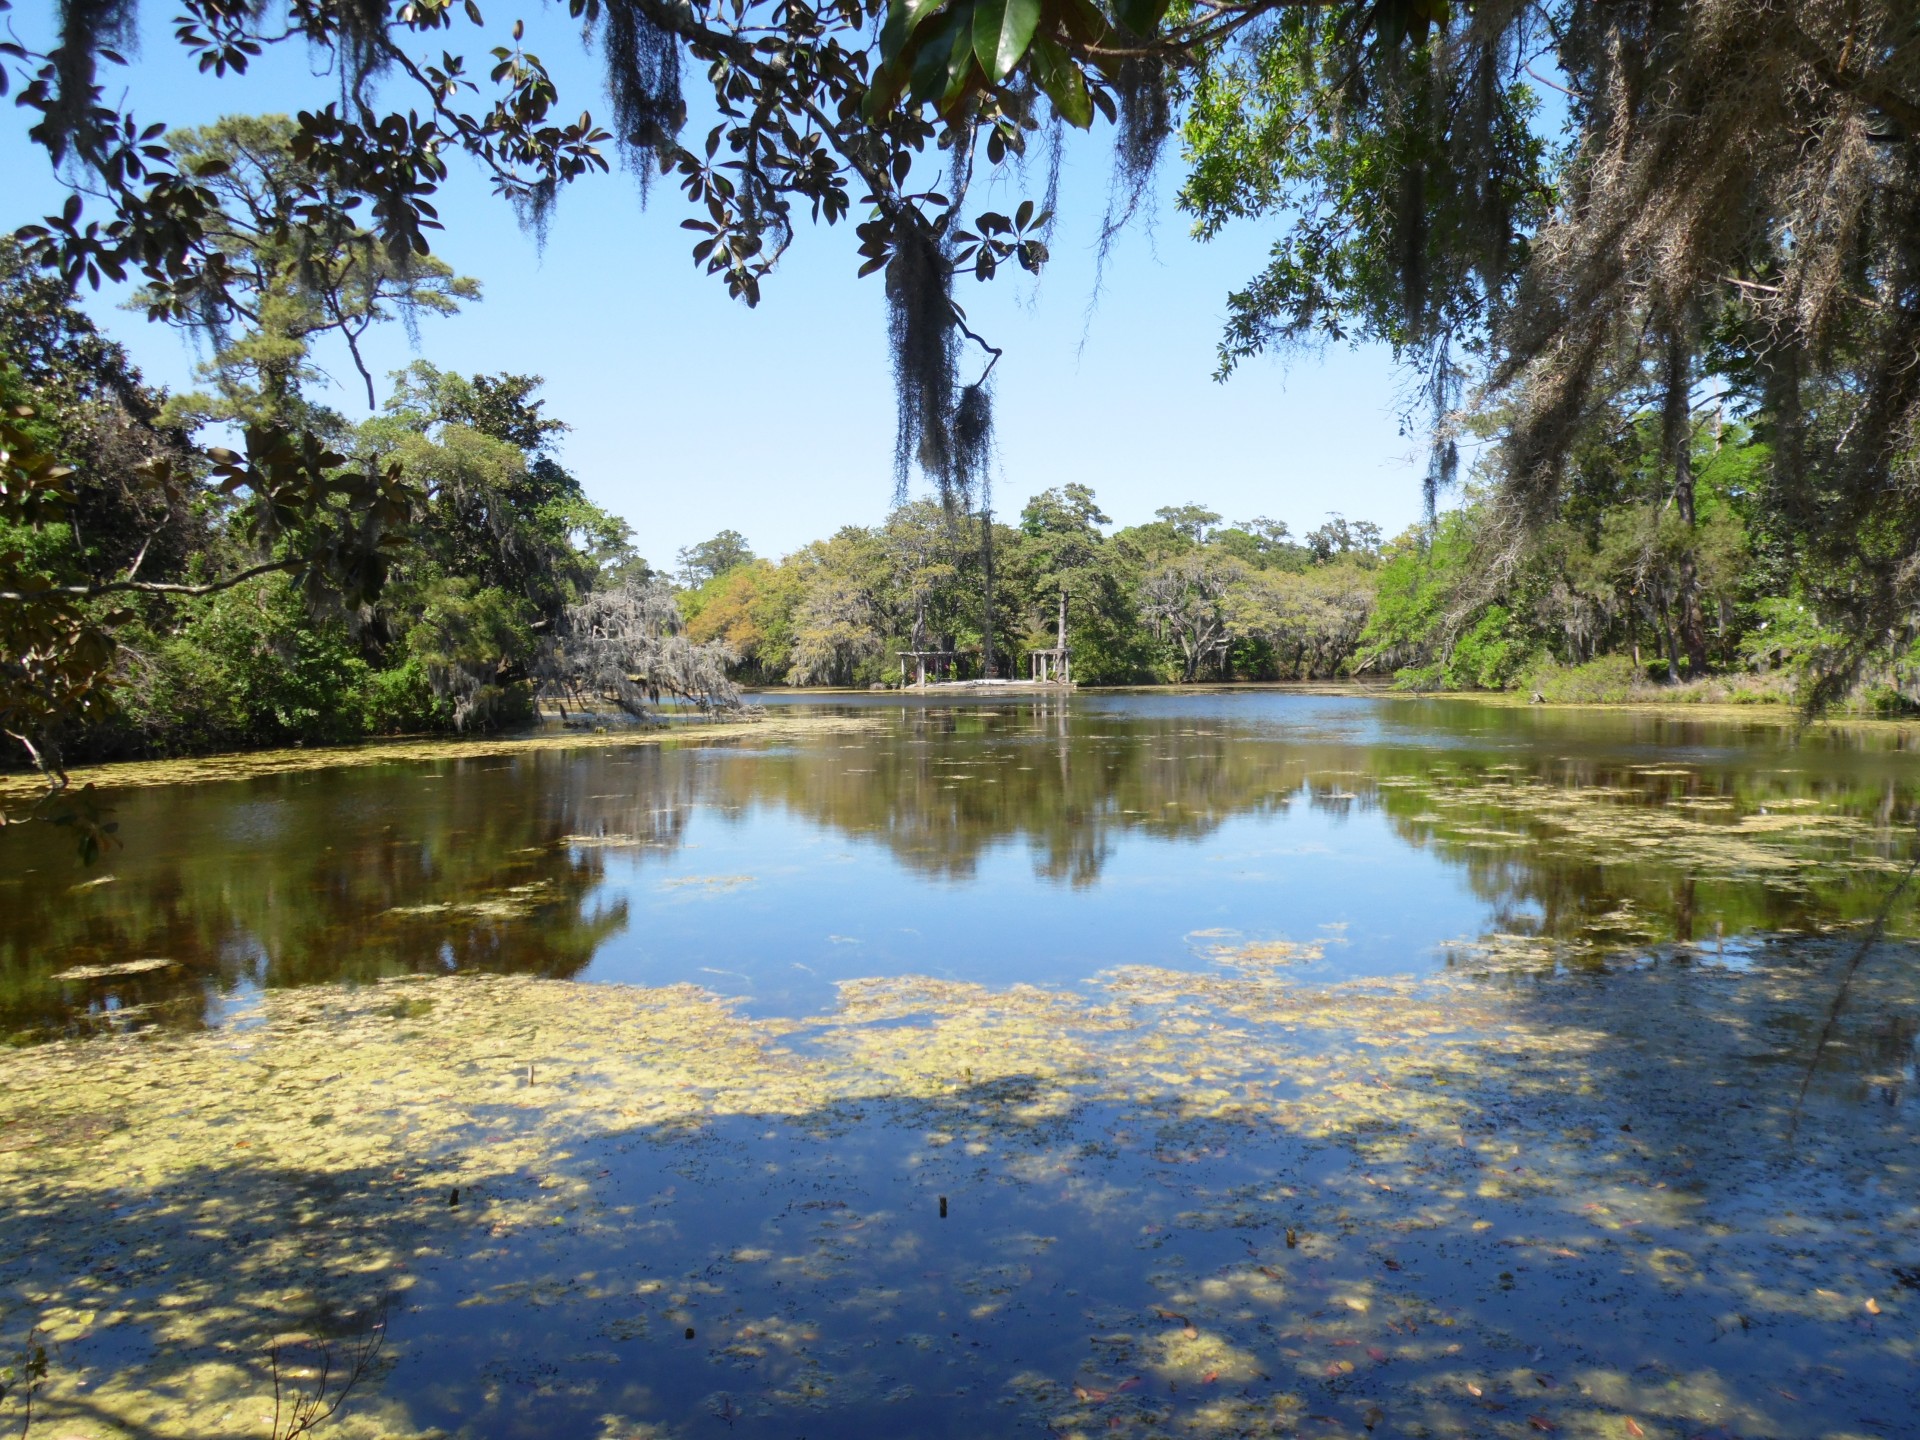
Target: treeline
x=1184 y=597
x=1624 y=593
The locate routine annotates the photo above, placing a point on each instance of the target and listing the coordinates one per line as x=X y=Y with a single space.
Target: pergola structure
x=1049 y=667
x=940 y=661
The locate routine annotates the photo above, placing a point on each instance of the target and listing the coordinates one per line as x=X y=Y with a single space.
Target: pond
x=1164 y=1063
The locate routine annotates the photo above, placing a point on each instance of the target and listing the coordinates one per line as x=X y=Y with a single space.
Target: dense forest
x=497 y=585
x=1596 y=609
x=151 y=611
x=1661 y=297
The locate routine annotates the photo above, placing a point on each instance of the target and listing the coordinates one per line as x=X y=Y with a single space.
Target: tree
x=1729 y=211
x=1192 y=523
x=1264 y=544
x=1311 y=620
x=1340 y=537
x=105 y=513
x=749 y=609
x=1186 y=600
x=713 y=558
x=627 y=645
x=294 y=268
x=1064 y=548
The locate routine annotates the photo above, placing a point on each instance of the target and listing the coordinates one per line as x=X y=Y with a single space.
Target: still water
x=1039 y=840
x=1168 y=1066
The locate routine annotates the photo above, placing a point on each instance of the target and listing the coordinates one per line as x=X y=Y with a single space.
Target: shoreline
x=248 y=764
x=16 y=785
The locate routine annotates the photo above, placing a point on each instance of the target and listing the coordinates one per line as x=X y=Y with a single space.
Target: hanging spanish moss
x=1143 y=86
x=1748 y=174
x=643 y=78
x=972 y=447
x=1144 y=89
x=1442 y=397
x=925 y=340
x=359 y=41
x=627 y=647
x=86 y=28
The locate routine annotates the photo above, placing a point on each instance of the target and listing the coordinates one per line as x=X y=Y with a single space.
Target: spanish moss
x=925 y=341
x=643 y=80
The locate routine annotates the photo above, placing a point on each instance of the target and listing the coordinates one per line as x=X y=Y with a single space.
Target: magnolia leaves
x=1002 y=30
x=998 y=237
x=333 y=523
x=934 y=53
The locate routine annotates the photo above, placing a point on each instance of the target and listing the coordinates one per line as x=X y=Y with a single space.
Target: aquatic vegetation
x=1197 y=1204
x=198 y=770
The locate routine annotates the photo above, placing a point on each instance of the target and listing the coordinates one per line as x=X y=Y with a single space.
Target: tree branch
x=148 y=587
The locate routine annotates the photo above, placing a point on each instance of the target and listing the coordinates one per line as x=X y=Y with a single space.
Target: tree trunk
x=1060 y=639
x=1679 y=437
x=986 y=631
x=1693 y=628
x=1673 y=645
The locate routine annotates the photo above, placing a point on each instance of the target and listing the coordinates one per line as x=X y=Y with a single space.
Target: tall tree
x=295 y=267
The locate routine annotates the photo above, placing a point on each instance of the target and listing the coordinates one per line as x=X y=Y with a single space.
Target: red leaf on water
x=1541 y=1423
x=1132 y=1383
x=1633 y=1427
x=1376 y=1352
x=1209 y=1377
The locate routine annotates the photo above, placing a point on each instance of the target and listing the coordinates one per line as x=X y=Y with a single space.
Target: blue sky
x=692 y=413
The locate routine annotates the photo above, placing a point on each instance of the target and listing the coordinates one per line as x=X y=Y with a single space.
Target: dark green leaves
x=938 y=54
x=1142 y=17
x=1056 y=75
x=1002 y=30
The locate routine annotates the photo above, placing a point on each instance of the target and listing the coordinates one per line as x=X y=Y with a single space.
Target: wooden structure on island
x=1050 y=667
x=941 y=661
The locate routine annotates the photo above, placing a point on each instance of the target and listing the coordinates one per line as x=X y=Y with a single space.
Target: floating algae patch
x=1174 y=1204
x=142 y=774
x=514 y=902
x=122 y=967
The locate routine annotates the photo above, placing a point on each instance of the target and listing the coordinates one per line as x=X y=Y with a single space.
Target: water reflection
x=1042 y=840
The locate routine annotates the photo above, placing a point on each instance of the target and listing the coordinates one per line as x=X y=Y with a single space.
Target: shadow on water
x=1510 y=1202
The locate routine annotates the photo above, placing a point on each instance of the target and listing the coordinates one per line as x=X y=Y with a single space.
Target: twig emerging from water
x=1867 y=942
x=297 y=1411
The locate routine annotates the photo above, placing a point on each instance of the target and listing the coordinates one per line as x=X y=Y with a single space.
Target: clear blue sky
x=692 y=413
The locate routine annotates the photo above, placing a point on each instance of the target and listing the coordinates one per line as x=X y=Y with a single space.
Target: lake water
x=1041 y=840
x=1202 y=1064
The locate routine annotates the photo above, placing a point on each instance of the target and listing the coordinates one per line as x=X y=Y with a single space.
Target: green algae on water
x=1192 y=1204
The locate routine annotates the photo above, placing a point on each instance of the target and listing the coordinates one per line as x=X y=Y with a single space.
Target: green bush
x=248 y=667
x=1609 y=680
x=1490 y=655
x=401 y=700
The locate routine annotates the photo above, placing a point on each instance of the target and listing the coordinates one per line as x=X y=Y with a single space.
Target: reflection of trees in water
x=349 y=874
x=952 y=783
x=497 y=863
x=1598 y=875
